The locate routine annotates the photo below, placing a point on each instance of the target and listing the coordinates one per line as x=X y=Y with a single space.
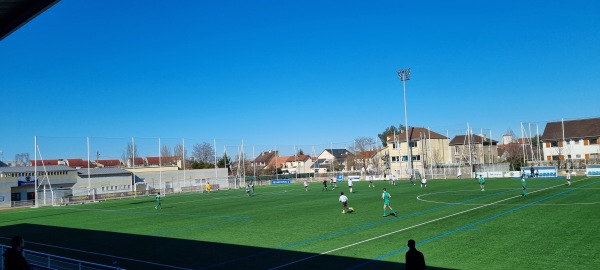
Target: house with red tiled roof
x=152 y=161
x=263 y=159
x=46 y=162
x=522 y=141
x=299 y=164
x=278 y=162
x=161 y=161
x=108 y=163
x=367 y=161
x=573 y=139
x=136 y=162
x=76 y=162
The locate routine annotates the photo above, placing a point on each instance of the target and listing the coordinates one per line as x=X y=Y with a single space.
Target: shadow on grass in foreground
x=131 y=251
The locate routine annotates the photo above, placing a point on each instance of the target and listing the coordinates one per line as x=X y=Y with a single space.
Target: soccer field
x=455 y=224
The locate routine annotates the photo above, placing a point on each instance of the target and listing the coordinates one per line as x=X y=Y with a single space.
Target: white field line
x=150 y=200
x=120 y=210
x=408 y=228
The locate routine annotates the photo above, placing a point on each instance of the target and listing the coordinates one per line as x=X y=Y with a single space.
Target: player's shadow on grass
x=132 y=251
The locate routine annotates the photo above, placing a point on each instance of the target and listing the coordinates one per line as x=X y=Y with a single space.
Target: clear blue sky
x=283 y=73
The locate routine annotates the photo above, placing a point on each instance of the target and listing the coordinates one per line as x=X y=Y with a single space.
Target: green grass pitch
x=455 y=224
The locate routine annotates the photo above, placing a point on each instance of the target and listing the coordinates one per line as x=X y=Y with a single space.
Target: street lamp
x=404 y=75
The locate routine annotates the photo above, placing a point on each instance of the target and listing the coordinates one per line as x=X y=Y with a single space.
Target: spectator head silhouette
x=411 y=243
x=17 y=243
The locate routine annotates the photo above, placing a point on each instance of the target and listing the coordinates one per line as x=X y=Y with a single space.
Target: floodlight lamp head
x=404 y=74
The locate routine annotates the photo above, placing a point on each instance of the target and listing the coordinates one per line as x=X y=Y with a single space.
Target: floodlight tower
x=404 y=75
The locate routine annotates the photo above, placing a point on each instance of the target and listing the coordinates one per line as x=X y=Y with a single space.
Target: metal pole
x=160 y=169
x=183 y=160
x=133 y=163
x=404 y=75
x=88 y=165
x=35 y=173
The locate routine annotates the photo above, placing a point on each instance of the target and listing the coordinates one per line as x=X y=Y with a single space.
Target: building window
x=394 y=146
x=555 y=157
x=413 y=144
x=594 y=141
x=578 y=156
x=416 y=157
x=404 y=158
x=395 y=158
x=553 y=143
x=576 y=141
x=456 y=152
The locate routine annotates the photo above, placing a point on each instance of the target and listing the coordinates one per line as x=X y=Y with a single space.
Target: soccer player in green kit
x=524 y=185
x=481 y=182
x=158 y=201
x=386 y=203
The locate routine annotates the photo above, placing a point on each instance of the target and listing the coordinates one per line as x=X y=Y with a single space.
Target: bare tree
x=361 y=157
x=560 y=152
x=203 y=152
x=437 y=156
x=165 y=155
x=514 y=155
x=362 y=144
x=130 y=152
x=22 y=159
x=179 y=151
x=239 y=165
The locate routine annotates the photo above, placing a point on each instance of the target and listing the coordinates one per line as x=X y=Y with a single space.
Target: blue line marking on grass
x=367 y=225
x=468 y=226
x=391 y=220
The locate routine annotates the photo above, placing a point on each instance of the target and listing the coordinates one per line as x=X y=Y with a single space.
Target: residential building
x=367 y=161
x=277 y=164
x=298 y=164
x=135 y=162
x=473 y=149
x=77 y=163
x=17 y=184
x=425 y=148
x=108 y=163
x=321 y=165
x=332 y=160
x=263 y=159
x=161 y=161
x=573 y=139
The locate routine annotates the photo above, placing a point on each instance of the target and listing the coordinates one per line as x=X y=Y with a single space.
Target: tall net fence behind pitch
x=495 y=167
x=446 y=172
x=186 y=185
x=53 y=196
